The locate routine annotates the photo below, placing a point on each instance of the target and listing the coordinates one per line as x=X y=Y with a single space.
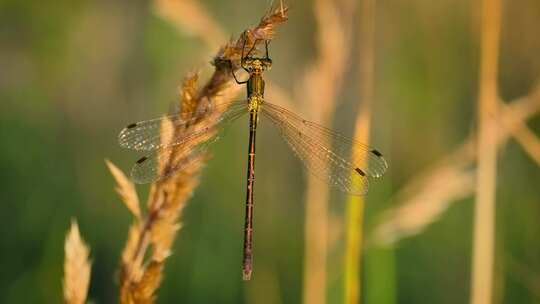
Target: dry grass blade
x=529 y=141
x=125 y=189
x=76 y=267
x=448 y=185
x=141 y=270
x=423 y=199
x=522 y=134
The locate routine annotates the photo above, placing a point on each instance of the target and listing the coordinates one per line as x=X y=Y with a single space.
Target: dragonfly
x=341 y=162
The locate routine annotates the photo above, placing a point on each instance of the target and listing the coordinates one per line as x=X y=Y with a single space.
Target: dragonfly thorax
x=255 y=86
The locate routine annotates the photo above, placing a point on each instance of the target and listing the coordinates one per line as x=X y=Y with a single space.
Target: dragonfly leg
x=266 y=42
x=244 y=45
x=253 y=47
x=234 y=75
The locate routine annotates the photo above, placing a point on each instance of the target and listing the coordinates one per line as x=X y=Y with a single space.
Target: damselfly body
x=330 y=156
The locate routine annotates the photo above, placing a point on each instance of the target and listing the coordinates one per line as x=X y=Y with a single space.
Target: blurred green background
x=73 y=73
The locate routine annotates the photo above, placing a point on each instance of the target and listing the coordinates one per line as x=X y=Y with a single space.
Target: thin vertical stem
x=484 y=218
x=355 y=207
x=316 y=242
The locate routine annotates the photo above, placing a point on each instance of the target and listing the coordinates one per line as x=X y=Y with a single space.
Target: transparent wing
x=342 y=162
x=147 y=135
x=182 y=151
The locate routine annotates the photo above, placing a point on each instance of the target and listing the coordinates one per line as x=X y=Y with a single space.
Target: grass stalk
x=333 y=32
x=528 y=141
x=353 y=249
x=484 y=214
x=355 y=204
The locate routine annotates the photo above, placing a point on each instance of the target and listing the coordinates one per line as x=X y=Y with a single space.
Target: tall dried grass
x=423 y=199
x=484 y=214
x=334 y=19
x=355 y=204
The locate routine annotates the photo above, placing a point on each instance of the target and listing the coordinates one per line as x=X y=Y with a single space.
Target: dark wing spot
x=360 y=171
x=379 y=154
x=142 y=159
x=133 y=125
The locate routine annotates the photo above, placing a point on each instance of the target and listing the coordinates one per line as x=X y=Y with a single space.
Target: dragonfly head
x=257 y=65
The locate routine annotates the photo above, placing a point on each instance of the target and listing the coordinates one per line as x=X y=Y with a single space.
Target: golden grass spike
x=130 y=266
x=76 y=267
x=188 y=93
x=265 y=30
x=163 y=232
x=166 y=136
x=143 y=292
x=126 y=190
